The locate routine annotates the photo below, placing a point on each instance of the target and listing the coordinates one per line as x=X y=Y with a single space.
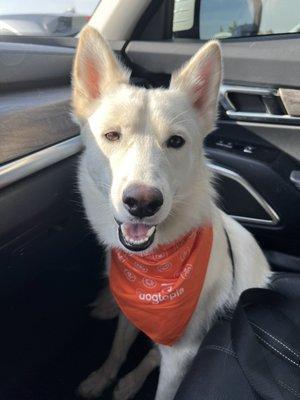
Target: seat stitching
x=276 y=339
x=289 y=388
x=224 y=349
x=277 y=351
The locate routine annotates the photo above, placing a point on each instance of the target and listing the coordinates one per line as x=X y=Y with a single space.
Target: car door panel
x=37 y=142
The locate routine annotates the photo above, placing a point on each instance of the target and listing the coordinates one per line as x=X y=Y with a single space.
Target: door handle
x=269 y=98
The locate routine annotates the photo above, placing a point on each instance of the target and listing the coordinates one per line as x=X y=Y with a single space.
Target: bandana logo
x=121 y=257
x=166 y=288
x=140 y=267
x=176 y=274
x=164 y=267
x=187 y=271
x=184 y=255
x=129 y=275
x=149 y=283
x=159 y=256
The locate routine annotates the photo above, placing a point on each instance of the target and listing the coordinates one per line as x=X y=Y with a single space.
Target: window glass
x=223 y=19
x=44 y=18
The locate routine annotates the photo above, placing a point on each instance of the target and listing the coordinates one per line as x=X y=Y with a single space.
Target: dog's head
x=144 y=147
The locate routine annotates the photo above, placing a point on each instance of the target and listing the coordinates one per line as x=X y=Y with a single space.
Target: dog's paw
x=127 y=387
x=94 y=385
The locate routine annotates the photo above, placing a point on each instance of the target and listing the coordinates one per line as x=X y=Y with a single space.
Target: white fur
x=146 y=118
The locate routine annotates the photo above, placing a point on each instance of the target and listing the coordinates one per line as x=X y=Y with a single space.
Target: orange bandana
x=158 y=292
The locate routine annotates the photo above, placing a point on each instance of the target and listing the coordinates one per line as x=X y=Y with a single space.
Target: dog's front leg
x=104 y=306
x=175 y=361
x=99 y=380
x=131 y=383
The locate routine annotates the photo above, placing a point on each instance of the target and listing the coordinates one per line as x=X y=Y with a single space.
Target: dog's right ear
x=95 y=70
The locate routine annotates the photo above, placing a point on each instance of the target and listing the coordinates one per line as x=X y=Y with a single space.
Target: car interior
x=51 y=261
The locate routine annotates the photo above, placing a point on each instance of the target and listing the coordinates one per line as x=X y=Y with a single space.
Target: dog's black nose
x=142 y=201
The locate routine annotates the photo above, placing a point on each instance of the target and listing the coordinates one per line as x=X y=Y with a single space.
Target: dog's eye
x=175 y=141
x=112 y=136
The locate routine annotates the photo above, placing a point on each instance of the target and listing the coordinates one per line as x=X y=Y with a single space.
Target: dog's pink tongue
x=136 y=231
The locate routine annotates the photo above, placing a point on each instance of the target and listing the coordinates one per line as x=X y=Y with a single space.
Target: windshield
x=44 y=18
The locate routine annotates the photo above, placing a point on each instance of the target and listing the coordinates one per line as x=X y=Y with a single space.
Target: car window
x=221 y=19
x=44 y=18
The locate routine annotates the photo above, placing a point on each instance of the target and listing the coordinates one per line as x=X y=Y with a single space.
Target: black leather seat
x=216 y=372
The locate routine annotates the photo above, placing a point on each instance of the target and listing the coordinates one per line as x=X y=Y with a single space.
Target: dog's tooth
x=133 y=241
x=127 y=238
x=151 y=231
x=138 y=241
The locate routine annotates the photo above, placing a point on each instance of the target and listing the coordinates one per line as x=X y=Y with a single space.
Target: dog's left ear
x=200 y=78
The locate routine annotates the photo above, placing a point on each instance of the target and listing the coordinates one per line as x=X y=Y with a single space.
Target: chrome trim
x=274 y=218
x=234 y=114
x=295 y=178
x=226 y=89
x=25 y=166
x=262 y=117
x=19 y=169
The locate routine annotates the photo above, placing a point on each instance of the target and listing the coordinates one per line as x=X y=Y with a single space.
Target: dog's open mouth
x=136 y=236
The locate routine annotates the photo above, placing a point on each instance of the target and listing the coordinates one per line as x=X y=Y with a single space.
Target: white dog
x=145 y=184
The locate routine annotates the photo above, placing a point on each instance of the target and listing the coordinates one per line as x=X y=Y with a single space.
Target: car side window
x=44 y=18
x=222 y=19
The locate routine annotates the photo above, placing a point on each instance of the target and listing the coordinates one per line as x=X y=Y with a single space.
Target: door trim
x=228 y=173
x=28 y=165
